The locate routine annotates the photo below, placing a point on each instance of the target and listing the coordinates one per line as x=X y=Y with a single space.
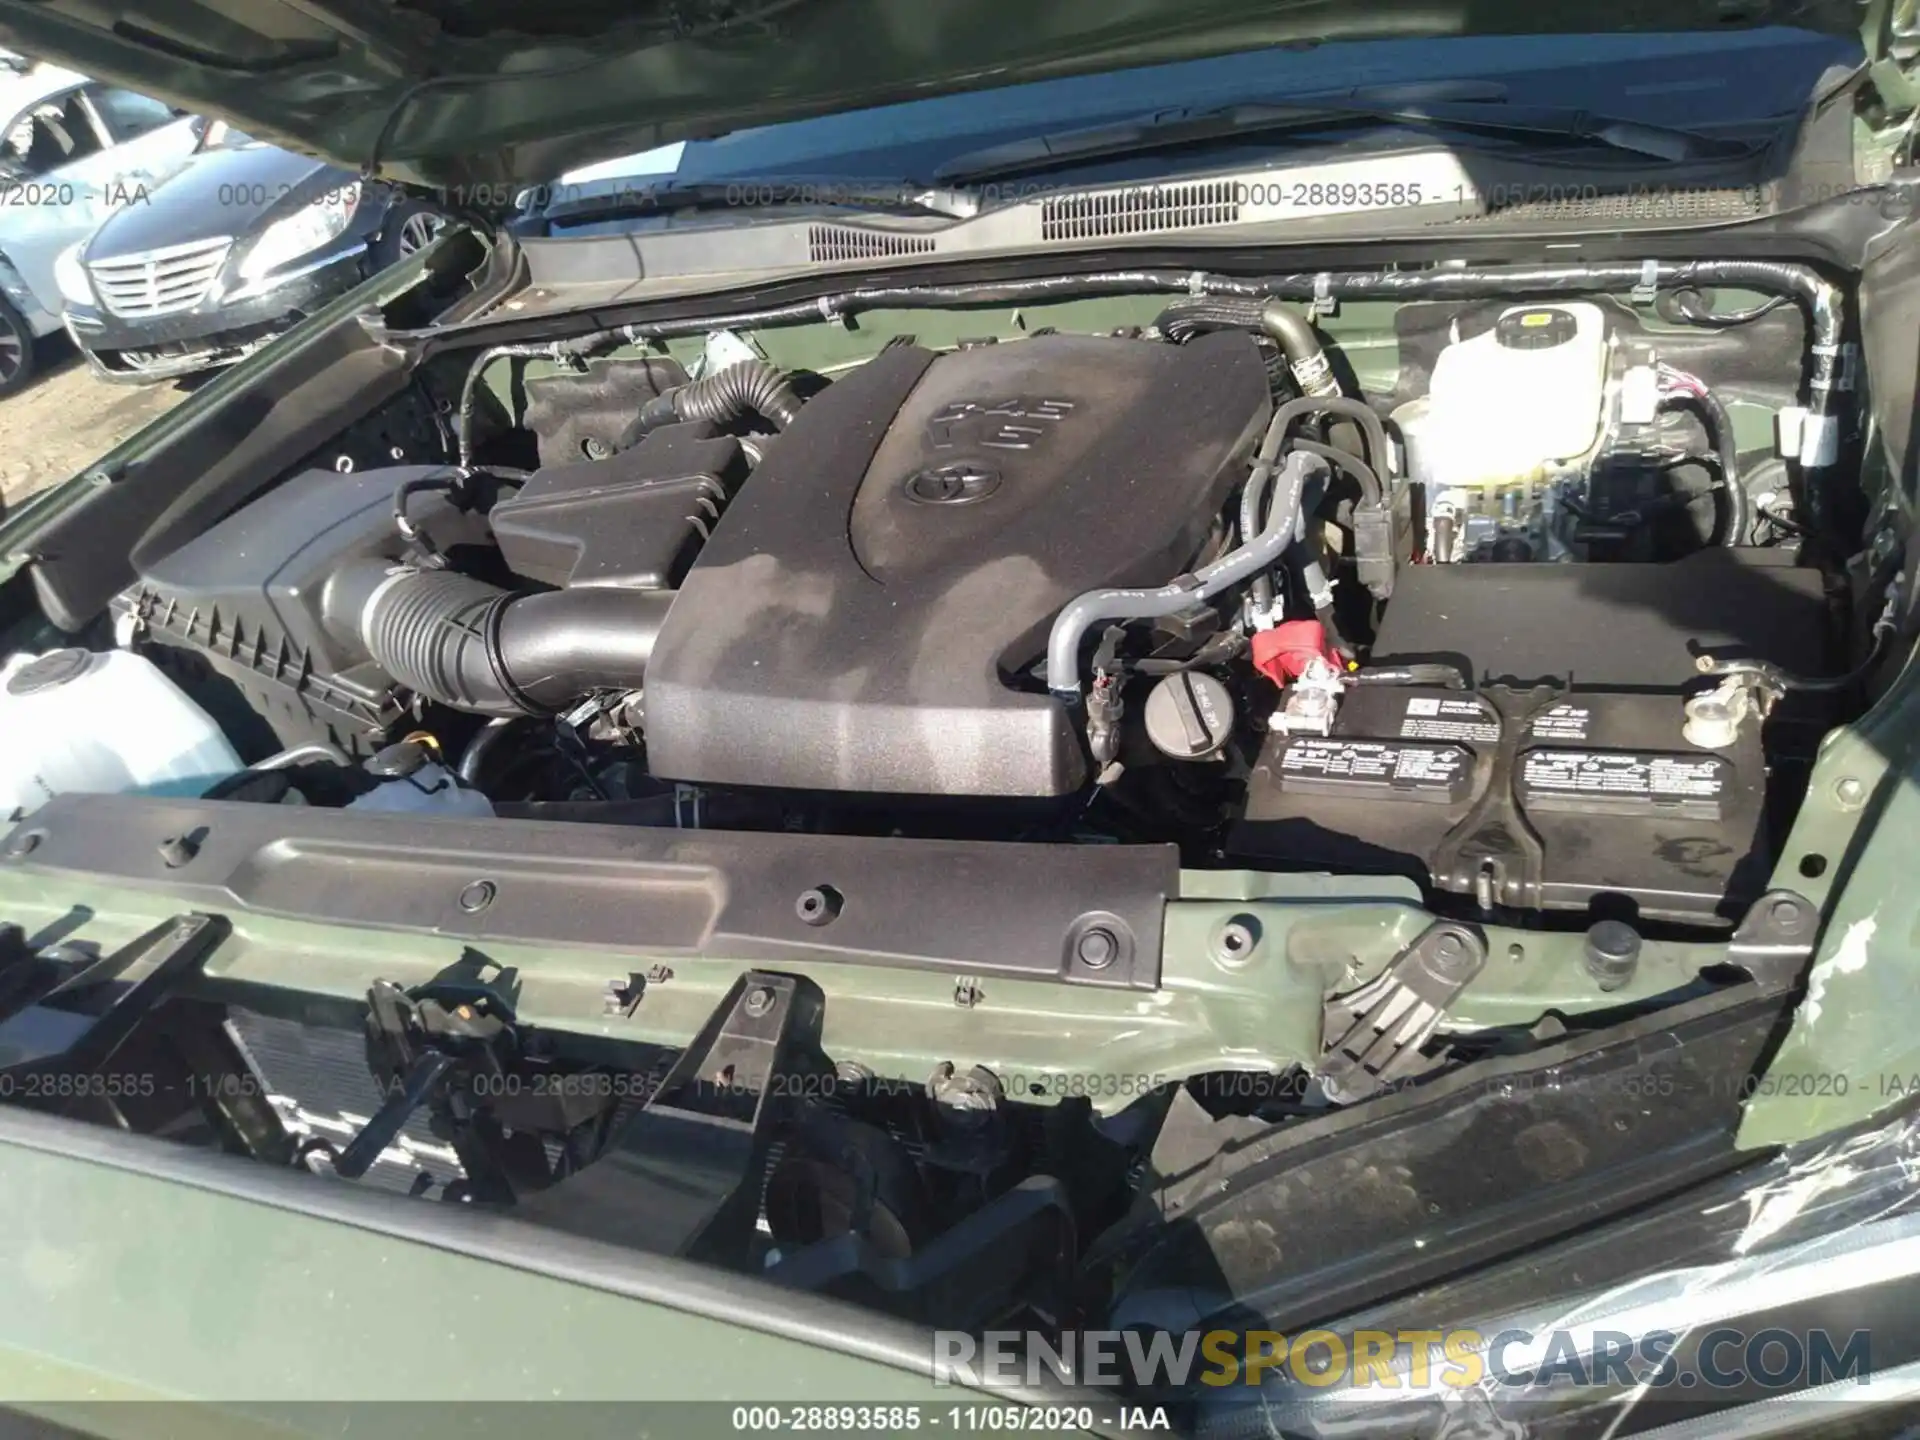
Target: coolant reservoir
x=1520 y=401
x=72 y=721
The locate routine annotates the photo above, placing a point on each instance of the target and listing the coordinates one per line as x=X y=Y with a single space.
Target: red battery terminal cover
x=1284 y=652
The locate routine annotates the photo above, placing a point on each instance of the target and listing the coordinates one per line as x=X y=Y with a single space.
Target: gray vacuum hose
x=1252 y=557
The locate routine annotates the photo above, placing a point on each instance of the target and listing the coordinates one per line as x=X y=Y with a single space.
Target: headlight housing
x=315 y=223
x=70 y=276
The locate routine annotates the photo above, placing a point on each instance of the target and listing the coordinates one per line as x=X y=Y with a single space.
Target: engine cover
x=867 y=613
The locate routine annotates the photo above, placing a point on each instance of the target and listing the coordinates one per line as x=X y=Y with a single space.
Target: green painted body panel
x=522 y=93
x=124 y=1287
x=1257 y=1010
x=1854 y=1049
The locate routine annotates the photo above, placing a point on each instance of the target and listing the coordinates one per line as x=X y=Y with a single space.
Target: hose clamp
x=1648 y=288
x=1324 y=301
x=1197 y=283
x=490 y=647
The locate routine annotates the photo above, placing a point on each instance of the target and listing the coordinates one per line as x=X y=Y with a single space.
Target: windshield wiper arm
x=1169 y=129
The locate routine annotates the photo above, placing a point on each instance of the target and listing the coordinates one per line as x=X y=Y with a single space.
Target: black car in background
x=231 y=252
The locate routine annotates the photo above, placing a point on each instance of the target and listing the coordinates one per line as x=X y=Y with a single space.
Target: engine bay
x=1537 y=620
x=965 y=772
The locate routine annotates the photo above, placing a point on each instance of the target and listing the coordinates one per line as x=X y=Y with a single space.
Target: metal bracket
x=1774 y=940
x=1896 y=88
x=682 y=1175
x=1324 y=301
x=1378 y=1029
x=78 y=1022
x=1648 y=287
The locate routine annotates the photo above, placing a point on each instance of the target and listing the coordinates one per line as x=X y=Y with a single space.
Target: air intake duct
x=751 y=387
x=476 y=647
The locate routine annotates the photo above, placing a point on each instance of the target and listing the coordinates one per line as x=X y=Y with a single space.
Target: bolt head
x=1787 y=916
x=1237 y=939
x=1450 y=954
x=759 y=1001
x=1097 y=949
x=1850 y=791
x=818 y=905
x=1612 y=953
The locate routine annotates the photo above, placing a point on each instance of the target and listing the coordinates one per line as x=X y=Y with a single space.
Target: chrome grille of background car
x=158 y=282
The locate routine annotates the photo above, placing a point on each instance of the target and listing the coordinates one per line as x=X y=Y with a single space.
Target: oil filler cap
x=1189 y=716
x=1539 y=328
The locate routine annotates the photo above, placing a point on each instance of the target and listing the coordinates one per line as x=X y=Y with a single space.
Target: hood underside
x=474 y=94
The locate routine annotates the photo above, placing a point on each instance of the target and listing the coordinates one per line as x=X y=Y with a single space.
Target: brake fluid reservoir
x=76 y=722
x=1520 y=401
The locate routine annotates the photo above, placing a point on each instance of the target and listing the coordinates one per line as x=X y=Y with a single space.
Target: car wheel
x=16 y=349
x=411 y=225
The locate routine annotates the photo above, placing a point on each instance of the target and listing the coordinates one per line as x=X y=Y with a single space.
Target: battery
x=1540 y=796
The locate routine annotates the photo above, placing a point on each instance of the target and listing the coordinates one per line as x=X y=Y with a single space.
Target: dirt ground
x=65 y=418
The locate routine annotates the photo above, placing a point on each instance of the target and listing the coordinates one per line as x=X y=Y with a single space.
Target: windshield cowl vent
x=828 y=244
x=1672 y=204
x=1138 y=212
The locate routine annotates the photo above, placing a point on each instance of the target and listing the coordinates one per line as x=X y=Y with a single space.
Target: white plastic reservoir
x=1519 y=398
x=430 y=790
x=72 y=721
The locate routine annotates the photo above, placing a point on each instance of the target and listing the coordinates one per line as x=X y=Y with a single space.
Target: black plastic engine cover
x=633 y=521
x=870 y=603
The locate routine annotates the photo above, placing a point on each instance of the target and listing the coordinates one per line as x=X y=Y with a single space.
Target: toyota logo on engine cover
x=961 y=482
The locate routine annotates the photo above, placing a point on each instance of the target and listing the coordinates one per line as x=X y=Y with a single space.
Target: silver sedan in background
x=72 y=152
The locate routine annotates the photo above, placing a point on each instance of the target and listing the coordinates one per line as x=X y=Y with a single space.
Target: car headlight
x=306 y=230
x=70 y=277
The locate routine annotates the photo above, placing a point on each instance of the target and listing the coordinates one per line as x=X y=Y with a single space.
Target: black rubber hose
x=1720 y=431
x=752 y=387
x=479 y=750
x=1290 y=330
x=484 y=650
x=449 y=483
x=1250 y=557
x=1348 y=463
x=1689 y=307
x=470 y=389
x=1294 y=411
x=1184 y=319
